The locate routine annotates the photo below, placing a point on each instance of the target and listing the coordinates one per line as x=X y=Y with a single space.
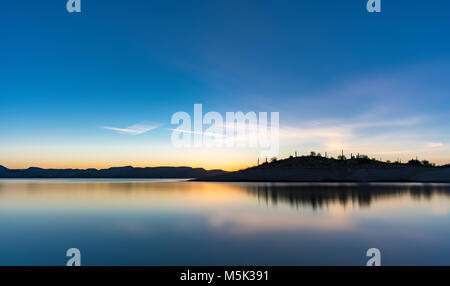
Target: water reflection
x=194 y=223
x=176 y=193
x=320 y=196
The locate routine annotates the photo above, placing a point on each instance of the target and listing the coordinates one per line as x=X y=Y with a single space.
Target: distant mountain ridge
x=293 y=169
x=321 y=169
x=114 y=172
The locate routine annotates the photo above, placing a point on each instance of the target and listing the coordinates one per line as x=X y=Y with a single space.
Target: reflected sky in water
x=169 y=222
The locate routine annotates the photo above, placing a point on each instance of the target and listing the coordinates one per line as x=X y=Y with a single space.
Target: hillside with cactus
x=359 y=168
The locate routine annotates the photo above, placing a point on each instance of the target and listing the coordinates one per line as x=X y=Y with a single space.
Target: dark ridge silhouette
x=116 y=172
x=320 y=169
x=319 y=196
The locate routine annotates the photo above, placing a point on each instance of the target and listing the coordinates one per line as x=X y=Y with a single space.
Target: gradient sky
x=340 y=77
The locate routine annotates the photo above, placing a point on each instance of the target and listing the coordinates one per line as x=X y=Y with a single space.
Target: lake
x=176 y=222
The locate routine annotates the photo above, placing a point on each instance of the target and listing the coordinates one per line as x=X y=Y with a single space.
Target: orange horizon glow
x=83 y=166
x=226 y=165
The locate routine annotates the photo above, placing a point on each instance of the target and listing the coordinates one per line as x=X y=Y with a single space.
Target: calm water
x=142 y=222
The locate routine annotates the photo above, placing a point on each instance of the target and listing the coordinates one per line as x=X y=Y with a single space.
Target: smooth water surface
x=170 y=222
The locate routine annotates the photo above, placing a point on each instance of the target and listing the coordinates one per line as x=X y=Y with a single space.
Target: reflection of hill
x=320 y=195
x=320 y=169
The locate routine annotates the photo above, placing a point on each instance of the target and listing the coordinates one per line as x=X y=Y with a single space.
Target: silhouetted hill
x=116 y=172
x=320 y=169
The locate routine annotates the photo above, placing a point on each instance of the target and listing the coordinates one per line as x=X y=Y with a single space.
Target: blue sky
x=340 y=77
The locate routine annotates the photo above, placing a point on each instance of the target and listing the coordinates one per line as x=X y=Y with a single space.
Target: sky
x=98 y=89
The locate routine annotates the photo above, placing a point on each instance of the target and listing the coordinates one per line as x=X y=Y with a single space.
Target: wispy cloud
x=197 y=133
x=435 y=144
x=135 y=129
x=367 y=129
x=349 y=129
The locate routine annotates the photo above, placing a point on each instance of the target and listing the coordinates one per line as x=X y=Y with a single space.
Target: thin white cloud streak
x=135 y=129
x=434 y=144
x=197 y=133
